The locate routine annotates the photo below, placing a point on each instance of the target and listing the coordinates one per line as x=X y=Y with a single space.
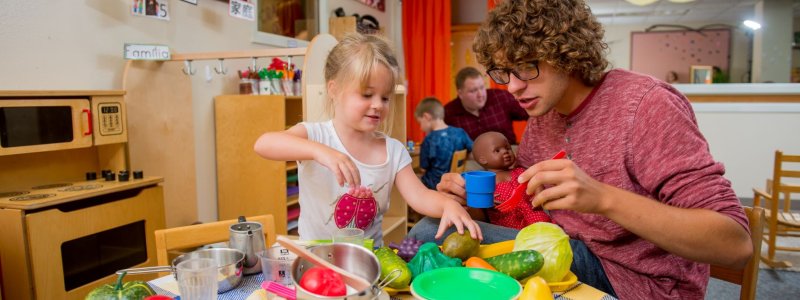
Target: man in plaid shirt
x=478 y=110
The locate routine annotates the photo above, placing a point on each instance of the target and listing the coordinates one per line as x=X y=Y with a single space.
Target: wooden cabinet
x=246 y=183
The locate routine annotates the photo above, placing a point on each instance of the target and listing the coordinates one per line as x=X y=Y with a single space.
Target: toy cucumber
x=518 y=264
x=389 y=263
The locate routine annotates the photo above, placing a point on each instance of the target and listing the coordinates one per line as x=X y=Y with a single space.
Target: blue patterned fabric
x=437 y=151
x=248 y=285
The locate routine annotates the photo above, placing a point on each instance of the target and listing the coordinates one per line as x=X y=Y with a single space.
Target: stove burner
x=50 y=186
x=81 y=188
x=32 y=197
x=12 y=194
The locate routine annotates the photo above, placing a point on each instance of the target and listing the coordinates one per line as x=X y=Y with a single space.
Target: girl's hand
x=569 y=187
x=340 y=165
x=360 y=192
x=454 y=214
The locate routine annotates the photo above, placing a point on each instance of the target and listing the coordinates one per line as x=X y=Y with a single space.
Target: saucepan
x=230 y=264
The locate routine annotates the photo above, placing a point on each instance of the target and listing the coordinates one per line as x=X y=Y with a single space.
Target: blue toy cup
x=480 y=188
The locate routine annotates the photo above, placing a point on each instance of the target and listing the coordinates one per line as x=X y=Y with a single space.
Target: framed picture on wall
x=701 y=74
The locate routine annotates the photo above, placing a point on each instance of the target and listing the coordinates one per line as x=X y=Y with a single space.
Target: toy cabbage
x=551 y=241
x=429 y=257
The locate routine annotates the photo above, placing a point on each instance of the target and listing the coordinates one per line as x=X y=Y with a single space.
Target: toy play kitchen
x=72 y=211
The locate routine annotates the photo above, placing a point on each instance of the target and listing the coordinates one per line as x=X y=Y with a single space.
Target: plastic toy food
x=551 y=241
x=486 y=251
x=390 y=262
x=477 y=262
x=119 y=291
x=536 y=289
x=407 y=248
x=518 y=264
x=323 y=281
x=429 y=258
x=461 y=246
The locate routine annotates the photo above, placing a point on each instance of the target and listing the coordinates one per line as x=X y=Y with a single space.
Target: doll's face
x=493 y=151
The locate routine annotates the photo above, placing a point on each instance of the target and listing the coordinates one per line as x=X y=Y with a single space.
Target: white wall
x=745 y=141
x=744 y=136
x=65 y=44
x=618 y=38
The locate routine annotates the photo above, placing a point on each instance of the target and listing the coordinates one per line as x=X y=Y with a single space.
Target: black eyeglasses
x=524 y=72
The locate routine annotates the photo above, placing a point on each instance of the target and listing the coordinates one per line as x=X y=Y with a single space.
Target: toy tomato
x=323 y=282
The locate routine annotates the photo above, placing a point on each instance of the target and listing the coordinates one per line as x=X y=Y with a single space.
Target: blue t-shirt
x=437 y=152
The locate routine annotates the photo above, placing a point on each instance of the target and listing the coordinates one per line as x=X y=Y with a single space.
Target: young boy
x=440 y=141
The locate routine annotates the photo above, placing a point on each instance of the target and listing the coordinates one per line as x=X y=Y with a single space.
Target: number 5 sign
x=158 y=9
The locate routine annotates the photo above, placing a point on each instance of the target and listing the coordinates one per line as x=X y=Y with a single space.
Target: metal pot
x=352 y=258
x=230 y=263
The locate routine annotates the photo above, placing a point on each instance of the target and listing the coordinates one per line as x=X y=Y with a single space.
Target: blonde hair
x=354 y=59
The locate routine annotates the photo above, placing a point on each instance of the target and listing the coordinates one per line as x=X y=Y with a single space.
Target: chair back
x=747 y=278
x=204 y=234
x=458 y=164
x=782 y=170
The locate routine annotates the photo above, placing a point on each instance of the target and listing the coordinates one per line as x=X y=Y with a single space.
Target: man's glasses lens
x=523 y=72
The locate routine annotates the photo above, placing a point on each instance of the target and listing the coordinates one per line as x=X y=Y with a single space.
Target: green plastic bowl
x=464 y=283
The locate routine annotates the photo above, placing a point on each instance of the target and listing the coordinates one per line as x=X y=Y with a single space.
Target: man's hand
x=569 y=187
x=453 y=185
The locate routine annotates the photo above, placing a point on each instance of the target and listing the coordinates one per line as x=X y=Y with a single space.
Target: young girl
x=347 y=167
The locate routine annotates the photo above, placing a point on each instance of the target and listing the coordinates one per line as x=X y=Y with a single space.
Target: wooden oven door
x=51 y=232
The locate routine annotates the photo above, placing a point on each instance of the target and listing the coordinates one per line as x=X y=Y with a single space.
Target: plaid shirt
x=500 y=110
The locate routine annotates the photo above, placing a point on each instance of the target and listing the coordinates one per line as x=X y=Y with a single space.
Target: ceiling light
x=752 y=24
x=641 y=2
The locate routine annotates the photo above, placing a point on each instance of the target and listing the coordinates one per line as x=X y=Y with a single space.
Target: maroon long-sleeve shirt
x=636 y=133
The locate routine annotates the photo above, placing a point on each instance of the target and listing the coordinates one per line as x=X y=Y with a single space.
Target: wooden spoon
x=358 y=283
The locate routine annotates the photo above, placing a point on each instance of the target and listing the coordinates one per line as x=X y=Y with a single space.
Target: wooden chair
x=747 y=278
x=780 y=221
x=458 y=164
x=204 y=234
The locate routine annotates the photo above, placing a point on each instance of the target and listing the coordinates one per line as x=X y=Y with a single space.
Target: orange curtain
x=426 y=43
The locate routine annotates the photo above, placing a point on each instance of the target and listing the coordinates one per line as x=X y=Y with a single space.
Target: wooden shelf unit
x=246 y=183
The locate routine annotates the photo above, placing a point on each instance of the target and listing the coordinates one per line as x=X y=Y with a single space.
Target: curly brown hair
x=563 y=33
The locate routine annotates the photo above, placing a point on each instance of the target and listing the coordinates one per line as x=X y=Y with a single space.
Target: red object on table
x=509 y=204
x=158 y=297
x=323 y=282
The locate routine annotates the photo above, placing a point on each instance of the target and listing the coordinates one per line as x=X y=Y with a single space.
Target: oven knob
x=138 y=174
x=104 y=173
x=110 y=176
x=91 y=176
x=123 y=175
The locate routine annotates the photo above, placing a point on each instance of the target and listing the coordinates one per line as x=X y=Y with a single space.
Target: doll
x=493 y=152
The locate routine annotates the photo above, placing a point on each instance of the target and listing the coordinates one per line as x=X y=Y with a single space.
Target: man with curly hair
x=645 y=205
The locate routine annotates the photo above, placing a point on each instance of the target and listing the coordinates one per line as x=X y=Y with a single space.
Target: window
x=286 y=23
